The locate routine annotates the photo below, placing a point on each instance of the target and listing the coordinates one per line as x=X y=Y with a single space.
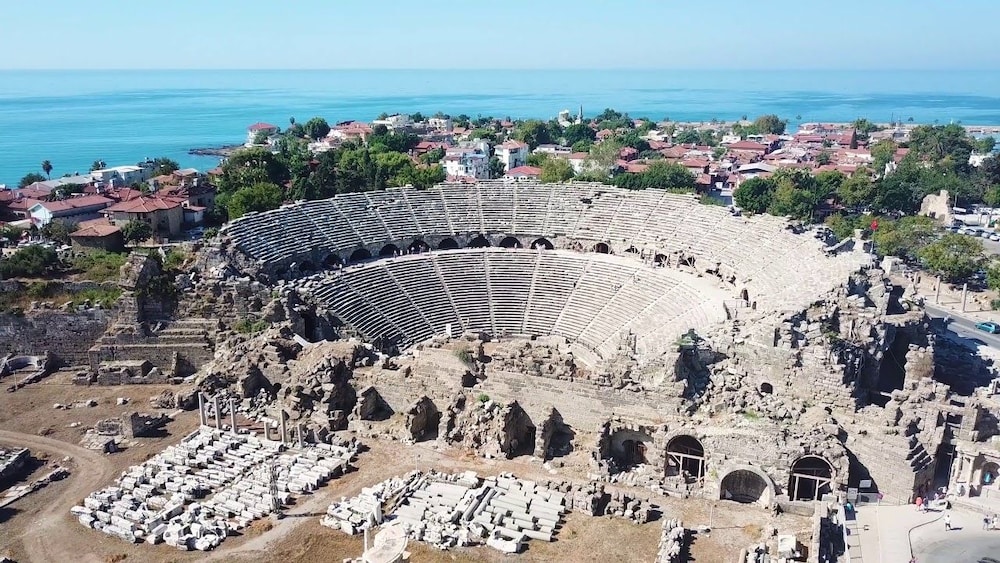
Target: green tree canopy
x=769 y=124
x=858 y=190
x=534 y=133
x=58 y=230
x=164 y=165
x=136 y=231
x=905 y=237
x=497 y=168
x=250 y=166
x=578 y=132
x=556 y=170
x=31 y=261
x=47 y=168
x=261 y=196
x=754 y=195
x=98 y=165
x=985 y=144
x=316 y=128
x=30 y=178
x=660 y=175
x=954 y=257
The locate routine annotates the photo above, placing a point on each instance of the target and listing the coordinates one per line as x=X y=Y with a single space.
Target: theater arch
x=331 y=261
x=479 y=242
x=685 y=454
x=388 y=251
x=811 y=478
x=418 y=246
x=630 y=448
x=766 y=388
x=510 y=242
x=448 y=244
x=602 y=248
x=542 y=243
x=306 y=266
x=747 y=485
x=360 y=254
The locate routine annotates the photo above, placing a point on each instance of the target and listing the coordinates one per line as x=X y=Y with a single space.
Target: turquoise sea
x=75 y=117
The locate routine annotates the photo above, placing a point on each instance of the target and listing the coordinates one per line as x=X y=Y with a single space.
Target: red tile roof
x=145 y=205
x=748 y=146
x=261 y=126
x=77 y=203
x=524 y=171
x=95 y=230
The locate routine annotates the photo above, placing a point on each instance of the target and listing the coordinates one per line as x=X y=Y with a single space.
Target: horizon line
x=488 y=69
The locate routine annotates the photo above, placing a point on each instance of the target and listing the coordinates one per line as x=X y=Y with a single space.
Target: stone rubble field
x=193 y=494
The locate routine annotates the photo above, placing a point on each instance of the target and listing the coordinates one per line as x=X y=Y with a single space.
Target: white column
x=202 y=419
x=284 y=430
x=218 y=412
x=232 y=414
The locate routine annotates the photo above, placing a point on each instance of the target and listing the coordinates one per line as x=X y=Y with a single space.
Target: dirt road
x=90 y=470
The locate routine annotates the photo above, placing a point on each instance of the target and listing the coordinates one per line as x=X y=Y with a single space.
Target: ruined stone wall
x=67 y=335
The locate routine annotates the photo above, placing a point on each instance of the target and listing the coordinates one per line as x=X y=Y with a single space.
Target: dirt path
x=90 y=470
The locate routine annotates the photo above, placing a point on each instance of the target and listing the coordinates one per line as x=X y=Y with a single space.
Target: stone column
x=937 y=292
x=218 y=412
x=232 y=414
x=965 y=294
x=202 y=419
x=302 y=441
x=284 y=429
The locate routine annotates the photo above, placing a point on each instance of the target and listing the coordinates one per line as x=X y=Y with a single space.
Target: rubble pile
x=456 y=510
x=155 y=501
x=593 y=500
x=671 y=542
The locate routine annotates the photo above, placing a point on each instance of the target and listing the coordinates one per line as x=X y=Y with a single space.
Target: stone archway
x=632 y=250
x=388 y=251
x=766 y=388
x=360 y=255
x=448 y=244
x=418 y=246
x=811 y=478
x=306 y=267
x=331 y=261
x=685 y=454
x=602 y=248
x=989 y=474
x=630 y=448
x=510 y=242
x=542 y=244
x=479 y=242
x=661 y=260
x=748 y=485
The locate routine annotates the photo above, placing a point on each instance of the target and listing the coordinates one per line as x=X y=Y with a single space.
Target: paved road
x=90 y=471
x=963 y=327
x=959 y=546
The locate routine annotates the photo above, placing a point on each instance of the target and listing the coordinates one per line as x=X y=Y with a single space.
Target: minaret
x=579 y=116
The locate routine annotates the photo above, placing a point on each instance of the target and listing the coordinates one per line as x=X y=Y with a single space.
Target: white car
x=995 y=237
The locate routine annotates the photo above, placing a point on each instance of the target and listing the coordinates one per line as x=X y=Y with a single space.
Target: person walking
x=920 y=504
x=986 y=522
x=947 y=522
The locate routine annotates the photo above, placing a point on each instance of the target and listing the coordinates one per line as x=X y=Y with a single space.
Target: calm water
x=75 y=117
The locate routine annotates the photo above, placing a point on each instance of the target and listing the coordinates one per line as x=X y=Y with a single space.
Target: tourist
x=920 y=504
x=994 y=522
x=947 y=522
x=986 y=522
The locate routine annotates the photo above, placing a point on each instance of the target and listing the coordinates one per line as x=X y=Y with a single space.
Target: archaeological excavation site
x=492 y=372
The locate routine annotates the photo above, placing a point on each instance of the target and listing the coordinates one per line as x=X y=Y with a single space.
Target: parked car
x=995 y=237
x=990 y=327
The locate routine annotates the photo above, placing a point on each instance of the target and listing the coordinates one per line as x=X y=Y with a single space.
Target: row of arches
x=810 y=477
x=416 y=247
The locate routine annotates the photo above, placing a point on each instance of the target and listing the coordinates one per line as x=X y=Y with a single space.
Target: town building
x=395 y=121
x=524 y=174
x=467 y=162
x=98 y=234
x=512 y=154
x=72 y=210
x=164 y=214
x=121 y=175
x=257 y=129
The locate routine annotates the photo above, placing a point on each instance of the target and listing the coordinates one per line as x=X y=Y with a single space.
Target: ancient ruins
x=658 y=345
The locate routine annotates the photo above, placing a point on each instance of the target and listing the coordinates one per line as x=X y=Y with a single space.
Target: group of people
x=991 y=522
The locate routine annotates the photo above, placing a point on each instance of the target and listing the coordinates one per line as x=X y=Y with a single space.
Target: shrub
x=465 y=356
x=250 y=326
x=32 y=261
x=175 y=259
x=42 y=290
x=105 y=297
x=995 y=304
x=100 y=266
x=483 y=398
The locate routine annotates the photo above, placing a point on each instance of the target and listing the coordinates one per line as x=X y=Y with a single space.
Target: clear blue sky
x=292 y=34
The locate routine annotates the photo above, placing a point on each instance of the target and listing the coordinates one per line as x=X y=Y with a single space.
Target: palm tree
x=97 y=165
x=47 y=168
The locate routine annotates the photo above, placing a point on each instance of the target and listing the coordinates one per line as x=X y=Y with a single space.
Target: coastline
x=224 y=151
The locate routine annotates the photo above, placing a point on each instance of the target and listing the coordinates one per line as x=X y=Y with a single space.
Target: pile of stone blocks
x=156 y=501
x=592 y=499
x=456 y=510
x=672 y=541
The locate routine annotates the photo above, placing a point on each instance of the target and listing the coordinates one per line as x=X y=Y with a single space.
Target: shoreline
x=224 y=151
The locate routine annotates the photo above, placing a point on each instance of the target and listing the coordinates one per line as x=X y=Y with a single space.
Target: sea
x=73 y=118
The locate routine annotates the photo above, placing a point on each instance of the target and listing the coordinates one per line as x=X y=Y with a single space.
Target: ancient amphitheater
x=635 y=338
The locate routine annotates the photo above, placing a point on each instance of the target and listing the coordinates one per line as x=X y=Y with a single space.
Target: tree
x=537 y=159
x=905 y=237
x=769 y=124
x=578 y=132
x=823 y=158
x=31 y=261
x=882 y=153
x=534 y=133
x=136 y=231
x=985 y=145
x=604 y=155
x=954 y=257
x=47 y=168
x=857 y=191
x=417 y=117
x=30 y=178
x=992 y=196
x=659 y=176
x=249 y=166
x=58 y=231
x=261 y=196
x=98 y=165
x=993 y=274
x=164 y=166
x=425 y=177
x=556 y=170
x=791 y=201
x=316 y=128
x=945 y=144
x=754 y=195
x=11 y=233
x=582 y=146
x=432 y=156
x=497 y=167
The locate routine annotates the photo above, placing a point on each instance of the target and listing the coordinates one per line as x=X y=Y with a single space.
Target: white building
x=512 y=154
x=440 y=123
x=122 y=175
x=257 y=128
x=394 y=121
x=467 y=162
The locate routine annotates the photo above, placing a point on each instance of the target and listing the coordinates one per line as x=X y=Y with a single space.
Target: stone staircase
x=177 y=348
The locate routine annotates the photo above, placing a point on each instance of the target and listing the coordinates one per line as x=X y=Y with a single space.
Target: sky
x=510 y=34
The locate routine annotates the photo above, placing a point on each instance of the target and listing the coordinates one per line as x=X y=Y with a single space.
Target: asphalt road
x=964 y=328
x=959 y=546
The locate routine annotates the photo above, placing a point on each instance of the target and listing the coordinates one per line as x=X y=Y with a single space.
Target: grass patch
x=175 y=259
x=106 y=297
x=706 y=199
x=465 y=356
x=250 y=326
x=752 y=416
x=100 y=265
